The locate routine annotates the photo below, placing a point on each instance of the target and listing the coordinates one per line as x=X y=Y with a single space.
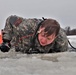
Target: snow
x=72 y=39
x=64 y=63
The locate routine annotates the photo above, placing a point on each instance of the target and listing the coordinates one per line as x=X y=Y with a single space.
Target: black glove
x=5 y=47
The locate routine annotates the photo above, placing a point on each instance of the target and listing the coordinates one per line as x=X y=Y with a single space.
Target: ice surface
x=12 y=63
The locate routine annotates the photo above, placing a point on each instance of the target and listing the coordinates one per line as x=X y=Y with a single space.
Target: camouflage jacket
x=20 y=31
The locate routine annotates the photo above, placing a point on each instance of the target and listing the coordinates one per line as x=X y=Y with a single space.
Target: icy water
x=12 y=63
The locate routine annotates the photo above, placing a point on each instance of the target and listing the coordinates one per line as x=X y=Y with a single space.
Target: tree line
x=70 y=31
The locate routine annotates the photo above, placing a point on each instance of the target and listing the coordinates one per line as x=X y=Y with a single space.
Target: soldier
x=34 y=35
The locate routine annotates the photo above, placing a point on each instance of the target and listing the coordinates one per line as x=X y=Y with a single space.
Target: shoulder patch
x=15 y=20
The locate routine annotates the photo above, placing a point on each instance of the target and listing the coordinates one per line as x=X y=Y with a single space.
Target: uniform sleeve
x=61 y=42
x=7 y=31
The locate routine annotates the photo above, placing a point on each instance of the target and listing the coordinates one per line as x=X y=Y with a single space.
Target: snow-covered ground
x=72 y=39
x=12 y=63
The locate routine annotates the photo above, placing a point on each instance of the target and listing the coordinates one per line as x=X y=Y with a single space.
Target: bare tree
x=67 y=30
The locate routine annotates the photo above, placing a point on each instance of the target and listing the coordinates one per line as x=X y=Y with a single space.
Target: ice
x=12 y=63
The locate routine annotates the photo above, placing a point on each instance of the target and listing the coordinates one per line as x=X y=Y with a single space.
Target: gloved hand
x=5 y=47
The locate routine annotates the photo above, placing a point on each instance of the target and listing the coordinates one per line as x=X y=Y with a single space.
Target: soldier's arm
x=8 y=32
x=6 y=36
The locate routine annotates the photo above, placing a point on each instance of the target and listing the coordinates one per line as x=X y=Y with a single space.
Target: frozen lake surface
x=12 y=63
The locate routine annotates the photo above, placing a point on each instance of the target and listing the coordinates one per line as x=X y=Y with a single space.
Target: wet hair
x=51 y=26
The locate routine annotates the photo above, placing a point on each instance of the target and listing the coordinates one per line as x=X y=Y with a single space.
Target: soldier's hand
x=5 y=47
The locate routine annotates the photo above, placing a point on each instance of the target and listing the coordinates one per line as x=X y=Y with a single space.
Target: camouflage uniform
x=20 y=31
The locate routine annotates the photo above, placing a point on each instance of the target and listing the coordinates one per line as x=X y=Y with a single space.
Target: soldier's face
x=43 y=39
